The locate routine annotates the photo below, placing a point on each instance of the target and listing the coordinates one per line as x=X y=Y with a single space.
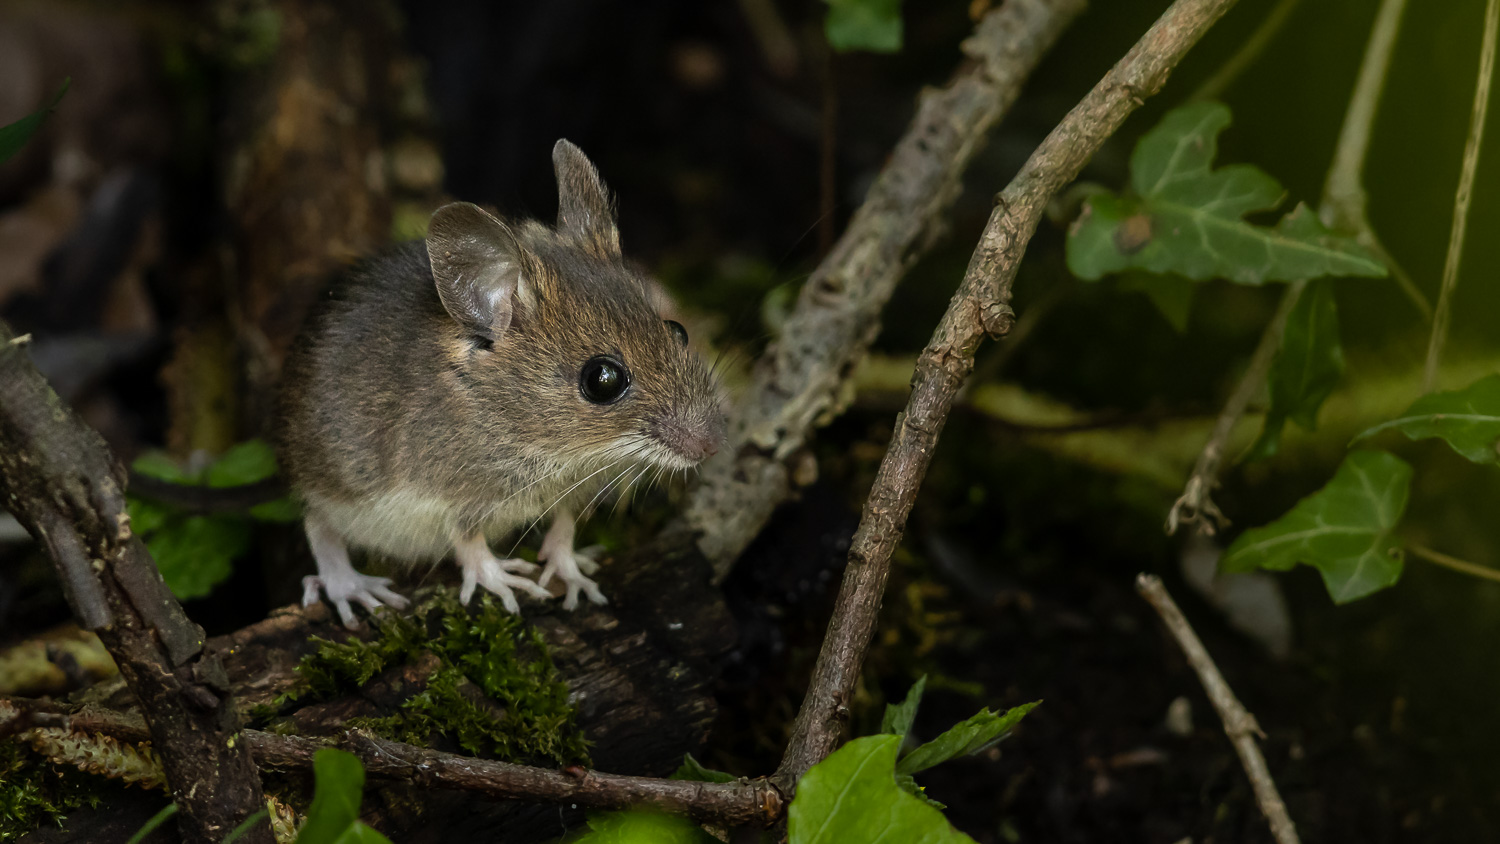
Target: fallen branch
x=1239 y=724
x=739 y=803
x=60 y=481
x=1343 y=206
x=797 y=382
x=980 y=307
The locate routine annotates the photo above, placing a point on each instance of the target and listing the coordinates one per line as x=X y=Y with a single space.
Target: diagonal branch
x=980 y=307
x=59 y=479
x=797 y=384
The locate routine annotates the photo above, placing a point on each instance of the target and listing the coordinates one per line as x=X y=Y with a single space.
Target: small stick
x=1462 y=197
x=1239 y=724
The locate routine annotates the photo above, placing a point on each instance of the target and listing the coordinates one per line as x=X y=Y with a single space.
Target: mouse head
x=558 y=341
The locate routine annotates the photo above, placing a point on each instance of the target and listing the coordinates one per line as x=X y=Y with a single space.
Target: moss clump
x=34 y=791
x=482 y=649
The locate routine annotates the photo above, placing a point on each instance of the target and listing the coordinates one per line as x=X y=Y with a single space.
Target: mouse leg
x=570 y=567
x=482 y=568
x=337 y=578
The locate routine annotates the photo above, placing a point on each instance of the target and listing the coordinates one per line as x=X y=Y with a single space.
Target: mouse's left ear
x=584 y=208
x=479 y=267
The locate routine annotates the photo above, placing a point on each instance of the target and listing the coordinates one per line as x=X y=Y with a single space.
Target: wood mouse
x=464 y=388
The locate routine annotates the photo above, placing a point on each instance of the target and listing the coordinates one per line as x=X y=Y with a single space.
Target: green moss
x=34 y=791
x=480 y=649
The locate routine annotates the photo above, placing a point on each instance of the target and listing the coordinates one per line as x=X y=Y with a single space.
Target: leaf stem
x=1214 y=86
x=1424 y=553
x=1462 y=196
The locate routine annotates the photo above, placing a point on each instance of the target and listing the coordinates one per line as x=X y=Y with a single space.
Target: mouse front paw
x=341 y=587
x=501 y=577
x=568 y=566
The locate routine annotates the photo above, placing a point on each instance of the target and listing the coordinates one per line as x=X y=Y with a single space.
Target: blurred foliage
x=873 y=25
x=338 y=790
x=13 y=136
x=195 y=553
x=1467 y=419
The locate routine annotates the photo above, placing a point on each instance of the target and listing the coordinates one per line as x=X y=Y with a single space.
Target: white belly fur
x=409 y=527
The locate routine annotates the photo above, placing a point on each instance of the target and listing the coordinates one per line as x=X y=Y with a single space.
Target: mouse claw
x=568 y=567
x=497 y=576
x=372 y=593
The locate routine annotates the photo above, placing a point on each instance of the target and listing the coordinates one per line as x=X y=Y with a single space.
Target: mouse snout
x=695 y=441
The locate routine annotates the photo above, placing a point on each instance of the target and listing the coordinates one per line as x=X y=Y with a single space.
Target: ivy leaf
x=692 y=769
x=1185 y=217
x=643 y=827
x=1467 y=419
x=13 y=136
x=146 y=516
x=1343 y=530
x=1171 y=294
x=196 y=554
x=160 y=465
x=1307 y=367
x=852 y=796
x=899 y=717
x=338 y=789
x=873 y=25
x=966 y=738
x=244 y=463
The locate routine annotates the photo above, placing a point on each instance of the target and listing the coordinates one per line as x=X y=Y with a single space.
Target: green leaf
x=908 y=784
x=971 y=736
x=146 y=516
x=283 y=509
x=643 y=827
x=873 y=25
x=338 y=789
x=195 y=554
x=691 y=769
x=1185 y=217
x=1307 y=367
x=899 y=717
x=245 y=826
x=1171 y=294
x=1468 y=420
x=852 y=796
x=1343 y=530
x=150 y=826
x=358 y=833
x=160 y=465
x=244 y=463
x=13 y=136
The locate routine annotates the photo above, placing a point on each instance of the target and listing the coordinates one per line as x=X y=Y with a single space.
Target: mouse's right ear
x=478 y=265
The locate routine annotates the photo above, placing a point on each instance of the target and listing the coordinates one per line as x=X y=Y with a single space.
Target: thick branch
x=1239 y=724
x=58 y=478
x=981 y=306
x=740 y=803
x=797 y=381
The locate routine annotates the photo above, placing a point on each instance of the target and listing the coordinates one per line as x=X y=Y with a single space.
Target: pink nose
x=694 y=442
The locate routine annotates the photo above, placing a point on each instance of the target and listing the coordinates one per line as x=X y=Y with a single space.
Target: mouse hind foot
x=338 y=581
x=481 y=567
x=571 y=568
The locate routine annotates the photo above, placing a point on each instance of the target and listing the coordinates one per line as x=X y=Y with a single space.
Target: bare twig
x=1214 y=86
x=58 y=478
x=1343 y=206
x=797 y=381
x=980 y=308
x=1462 y=197
x=739 y=803
x=1441 y=559
x=1239 y=724
x=1196 y=504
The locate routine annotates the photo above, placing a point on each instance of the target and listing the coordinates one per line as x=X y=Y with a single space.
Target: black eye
x=677 y=331
x=603 y=380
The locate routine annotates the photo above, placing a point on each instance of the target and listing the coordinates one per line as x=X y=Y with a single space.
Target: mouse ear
x=584 y=209
x=478 y=266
